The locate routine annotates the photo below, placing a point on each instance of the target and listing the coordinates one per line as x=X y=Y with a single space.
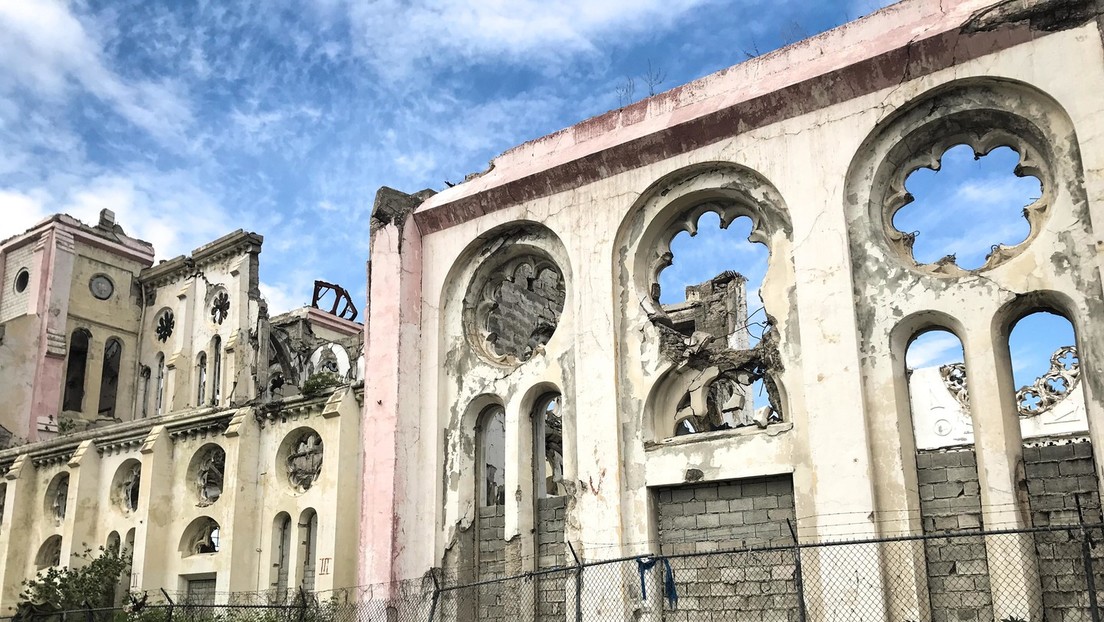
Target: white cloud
x=934 y=348
x=48 y=50
x=395 y=35
x=20 y=212
x=280 y=299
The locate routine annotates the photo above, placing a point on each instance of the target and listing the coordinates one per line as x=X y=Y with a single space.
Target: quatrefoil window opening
x=967 y=207
x=220 y=307
x=513 y=307
x=165 y=325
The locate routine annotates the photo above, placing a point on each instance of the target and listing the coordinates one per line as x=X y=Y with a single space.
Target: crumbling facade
x=520 y=350
x=160 y=409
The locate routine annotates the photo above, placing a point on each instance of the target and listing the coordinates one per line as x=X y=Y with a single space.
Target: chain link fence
x=1048 y=574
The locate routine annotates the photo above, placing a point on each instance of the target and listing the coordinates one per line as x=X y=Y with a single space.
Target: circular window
x=206 y=472
x=22 y=280
x=101 y=286
x=301 y=457
x=512 y=308
x=165 y=324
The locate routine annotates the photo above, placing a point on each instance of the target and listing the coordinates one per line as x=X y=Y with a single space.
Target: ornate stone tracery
x=1052 y=387
x=304 y=461
x=165 y=325
x=516 y=309
x=209 y=475
x=1044 y=394
x=220 y=307
x=954 y=378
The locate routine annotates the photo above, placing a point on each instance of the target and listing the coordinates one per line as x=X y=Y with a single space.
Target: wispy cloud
x=396 y=37
x=48 y=51
x=193 y=119
x=933 y=348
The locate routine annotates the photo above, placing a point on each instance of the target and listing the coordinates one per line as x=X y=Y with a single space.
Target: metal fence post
x=89 y=616
x=1086 y=558
x=578 y=584
x=171 y=604
x=436 y=594
x=798 y=583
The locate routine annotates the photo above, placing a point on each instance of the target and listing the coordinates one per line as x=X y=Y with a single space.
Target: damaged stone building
x=528 y=396
x=532 y=399
x=158 y=408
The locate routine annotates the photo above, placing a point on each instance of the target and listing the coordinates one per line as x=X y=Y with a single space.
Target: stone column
x=1011 y=558
x=392 y=393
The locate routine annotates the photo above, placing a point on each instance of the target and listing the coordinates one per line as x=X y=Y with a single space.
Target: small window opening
x=967 y=206
x=22 y=280
x=282 y=553
x=216 y=371
x=1046 y=368
x=57 y=497
x=75 y=370
x=201 y=375
x=203 y=536
x=491 y=487
x=548 y=454
x=49 y=554
x=938 y=394
x=109 y=378
x=308 y=536
x=210 y=467
x=130 y=481
x=160 y=395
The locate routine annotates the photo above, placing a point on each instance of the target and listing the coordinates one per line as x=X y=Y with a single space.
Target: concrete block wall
x=950 y=501
x=551 y=590
x=739 y=514
x=1058 y=478
x=492 y=561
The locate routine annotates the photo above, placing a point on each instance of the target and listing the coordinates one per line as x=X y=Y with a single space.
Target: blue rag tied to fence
x=645 y=564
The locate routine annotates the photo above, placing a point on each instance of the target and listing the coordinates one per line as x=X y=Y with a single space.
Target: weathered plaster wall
x=803 y=162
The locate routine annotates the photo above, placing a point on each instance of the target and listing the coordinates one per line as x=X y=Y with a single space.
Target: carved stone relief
x=304 y=461
x=60 y=497
x=209 y=476
x=127 y=487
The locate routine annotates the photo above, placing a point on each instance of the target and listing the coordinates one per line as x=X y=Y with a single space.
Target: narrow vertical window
x=548 y=447
x=216 y=371
x=109 y=378
x=491 y=473
x=283 y=551
x=146 y=373
x=201 y=375
x=308 y=532
x=75 y=370
x=160 y=397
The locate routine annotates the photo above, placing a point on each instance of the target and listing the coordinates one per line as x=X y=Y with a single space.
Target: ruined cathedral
x=515 y=397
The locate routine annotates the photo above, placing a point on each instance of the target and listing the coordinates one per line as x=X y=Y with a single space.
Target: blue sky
x=191 y=119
